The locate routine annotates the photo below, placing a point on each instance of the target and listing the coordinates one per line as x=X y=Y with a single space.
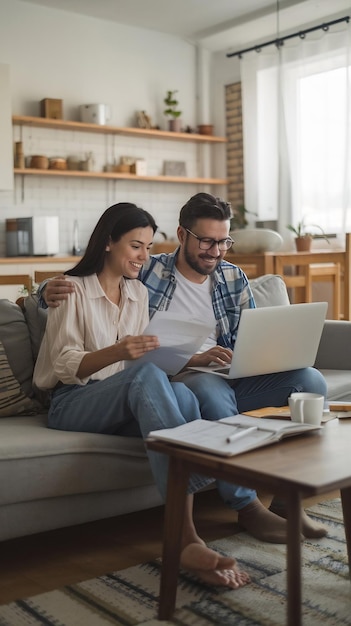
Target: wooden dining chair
x=304 y=277
x=40 y=275
x=17 y=279
x=325 y=272
x=333 y=266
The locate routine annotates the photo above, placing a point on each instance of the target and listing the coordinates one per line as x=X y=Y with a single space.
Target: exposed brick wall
x=235 y=151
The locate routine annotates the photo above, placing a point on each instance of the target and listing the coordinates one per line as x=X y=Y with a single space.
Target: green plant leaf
x=172 y=104
x=301 y=230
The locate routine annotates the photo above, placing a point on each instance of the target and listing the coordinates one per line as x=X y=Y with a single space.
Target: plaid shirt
x=231 y=292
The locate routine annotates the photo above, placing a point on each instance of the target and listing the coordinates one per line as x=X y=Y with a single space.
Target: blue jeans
x=220 y=397
x=131 y=403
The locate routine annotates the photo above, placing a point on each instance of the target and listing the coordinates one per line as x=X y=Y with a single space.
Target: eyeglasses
x=205 y=243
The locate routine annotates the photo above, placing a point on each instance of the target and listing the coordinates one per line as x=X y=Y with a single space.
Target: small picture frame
x=174 y=168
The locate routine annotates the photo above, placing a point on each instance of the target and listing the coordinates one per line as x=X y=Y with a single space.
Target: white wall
x=6 y=168
x=83 y=60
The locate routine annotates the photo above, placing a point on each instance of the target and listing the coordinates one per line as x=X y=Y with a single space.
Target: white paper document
x=231 y=435
x=179 y=339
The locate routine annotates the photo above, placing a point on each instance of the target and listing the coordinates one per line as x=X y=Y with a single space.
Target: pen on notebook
x=242 y=433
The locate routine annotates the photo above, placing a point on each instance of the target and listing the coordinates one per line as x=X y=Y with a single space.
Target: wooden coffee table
x=296 y=468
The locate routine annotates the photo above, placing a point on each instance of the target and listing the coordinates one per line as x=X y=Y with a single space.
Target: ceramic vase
x=175 y=125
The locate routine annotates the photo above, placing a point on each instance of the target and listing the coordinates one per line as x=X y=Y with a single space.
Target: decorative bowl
x=57 y=163
x=254 y=240
x=205 y=129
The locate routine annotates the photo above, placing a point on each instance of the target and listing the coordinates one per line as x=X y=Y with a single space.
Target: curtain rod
x=279 y=41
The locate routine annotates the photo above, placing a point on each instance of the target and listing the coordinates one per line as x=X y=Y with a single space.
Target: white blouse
x=88 y=321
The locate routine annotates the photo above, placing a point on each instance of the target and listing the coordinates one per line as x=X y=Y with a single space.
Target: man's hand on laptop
x=217 y=355
x=57 y=289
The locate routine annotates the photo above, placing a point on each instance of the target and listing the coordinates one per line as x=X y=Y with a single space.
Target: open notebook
x=231 y=435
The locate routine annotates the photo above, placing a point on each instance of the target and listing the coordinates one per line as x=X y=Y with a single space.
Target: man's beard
x=195 y=266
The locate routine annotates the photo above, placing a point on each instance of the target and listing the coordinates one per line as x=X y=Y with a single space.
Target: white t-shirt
x=194 y=301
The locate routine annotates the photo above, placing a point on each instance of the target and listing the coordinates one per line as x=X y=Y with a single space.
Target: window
x=297 y=137
x=323 y=149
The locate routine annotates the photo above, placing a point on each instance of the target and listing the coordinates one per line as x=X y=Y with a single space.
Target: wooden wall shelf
x=142 y=133
x=120 y=176
x=43 y=122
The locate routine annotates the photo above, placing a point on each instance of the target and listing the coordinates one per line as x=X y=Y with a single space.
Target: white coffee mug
x=306 y=408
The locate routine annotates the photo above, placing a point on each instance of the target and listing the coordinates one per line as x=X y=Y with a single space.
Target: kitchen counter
x=10 y=260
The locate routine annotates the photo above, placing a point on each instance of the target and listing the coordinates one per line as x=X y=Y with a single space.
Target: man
x=196 y=282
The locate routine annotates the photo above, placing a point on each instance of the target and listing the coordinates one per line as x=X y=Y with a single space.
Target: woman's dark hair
x=113 y=223
x=203 y=205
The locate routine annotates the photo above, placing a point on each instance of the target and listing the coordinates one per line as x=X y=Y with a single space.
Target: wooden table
x=301 y=259
x=253 y=265
x=274 y=262
x=297 y=468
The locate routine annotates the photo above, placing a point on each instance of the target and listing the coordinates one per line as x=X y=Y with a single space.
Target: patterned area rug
x=129 y=597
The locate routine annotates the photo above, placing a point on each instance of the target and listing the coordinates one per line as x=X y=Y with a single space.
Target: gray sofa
x=50 y=479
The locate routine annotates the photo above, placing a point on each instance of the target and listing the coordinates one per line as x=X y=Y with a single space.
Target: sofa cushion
x=36 y=322
x=269 y=290
x=338 y=384
x=334 y=347
x=16 y=394
x=38 y=462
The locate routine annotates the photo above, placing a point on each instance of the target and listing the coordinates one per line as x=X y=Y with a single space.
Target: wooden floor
x=32 y=565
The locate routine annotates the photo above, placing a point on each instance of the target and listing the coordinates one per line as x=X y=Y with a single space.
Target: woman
x=81 y=360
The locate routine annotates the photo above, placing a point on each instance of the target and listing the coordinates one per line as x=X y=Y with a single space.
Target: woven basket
x=123 y=167
x=39 y=162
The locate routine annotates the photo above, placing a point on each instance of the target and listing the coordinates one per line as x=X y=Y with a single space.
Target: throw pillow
x=16 y=393
x=12 y=399
x=269 y=290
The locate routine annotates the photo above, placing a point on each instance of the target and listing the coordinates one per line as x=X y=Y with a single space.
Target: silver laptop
x=274 y=339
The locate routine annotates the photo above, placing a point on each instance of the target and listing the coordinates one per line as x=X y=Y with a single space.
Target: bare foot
x=211 y=567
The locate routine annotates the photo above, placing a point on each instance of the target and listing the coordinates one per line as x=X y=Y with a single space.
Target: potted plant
x=172 y=111
x=303 y=236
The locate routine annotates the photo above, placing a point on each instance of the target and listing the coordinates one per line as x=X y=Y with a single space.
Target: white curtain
x=297 y=135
